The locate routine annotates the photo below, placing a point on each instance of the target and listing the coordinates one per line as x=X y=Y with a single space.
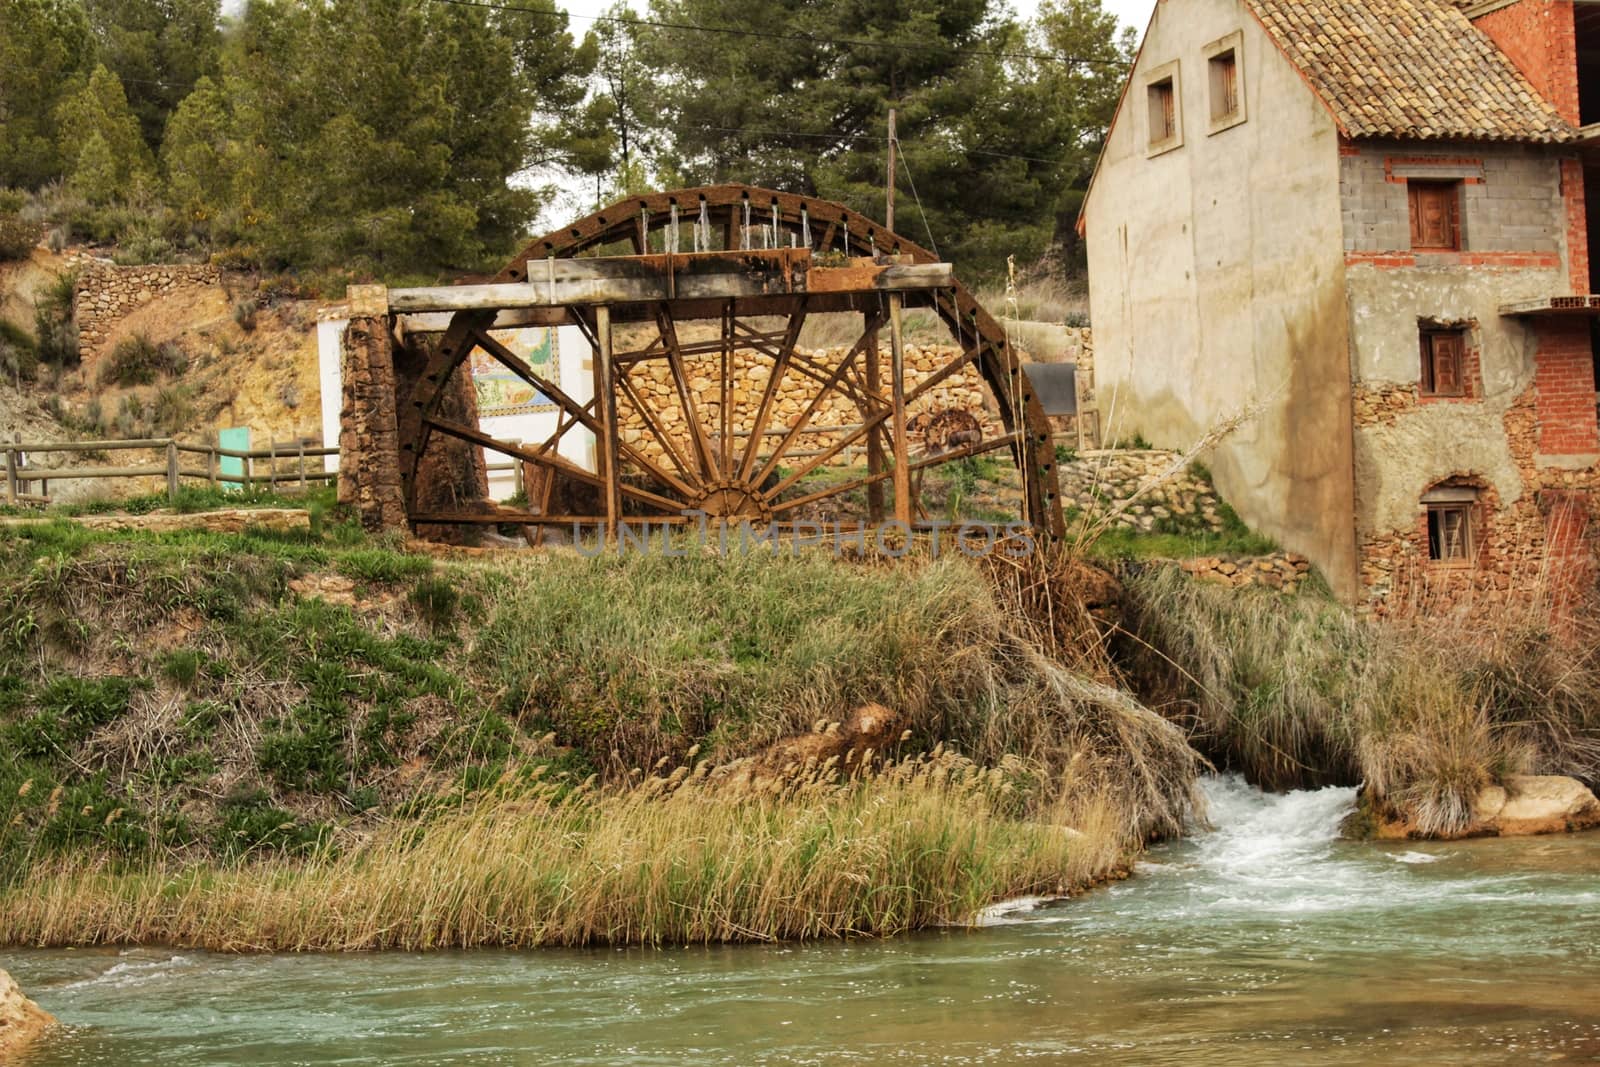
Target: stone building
x=1366 y=218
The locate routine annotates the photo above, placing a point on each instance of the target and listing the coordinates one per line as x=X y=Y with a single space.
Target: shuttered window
x=1163 y=112
x=1435 y=215
x=1224 y=85
x=1443 y=359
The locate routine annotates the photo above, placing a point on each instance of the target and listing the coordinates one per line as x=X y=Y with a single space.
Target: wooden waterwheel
x=694 y=303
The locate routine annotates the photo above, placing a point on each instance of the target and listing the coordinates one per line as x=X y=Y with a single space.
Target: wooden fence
x=179 y=460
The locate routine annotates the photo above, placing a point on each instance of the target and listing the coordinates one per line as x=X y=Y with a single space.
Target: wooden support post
x=888 y=185
x=172 y=472
x=875 y=435
x=11 y=476
x=607 y=399
x=903 y=509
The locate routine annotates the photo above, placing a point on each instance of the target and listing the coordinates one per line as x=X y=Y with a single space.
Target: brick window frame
x=1225 y=82
x=1444 y=362
x=1164 y=110
x=1434 y=208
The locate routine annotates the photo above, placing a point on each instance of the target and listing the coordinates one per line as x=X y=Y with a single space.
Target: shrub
x=244 y=313
x=17 y=236
x=19 y=352
x=139 y=361
x=436 y=600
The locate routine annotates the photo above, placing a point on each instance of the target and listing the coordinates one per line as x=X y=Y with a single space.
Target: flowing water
x=1265 y=941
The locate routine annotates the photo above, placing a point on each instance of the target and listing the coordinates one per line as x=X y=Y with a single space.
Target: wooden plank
x=903 y=511
x=605 y=387
x=646 y=279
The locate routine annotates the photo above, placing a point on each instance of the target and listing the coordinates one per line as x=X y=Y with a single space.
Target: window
x=1451 y=538
x=1165 y=109
x=1435 y=215
x=1225 y=81
x=1443 y=362
x=1163 y=113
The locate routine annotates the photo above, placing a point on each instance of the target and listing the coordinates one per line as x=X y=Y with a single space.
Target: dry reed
x=686 y=858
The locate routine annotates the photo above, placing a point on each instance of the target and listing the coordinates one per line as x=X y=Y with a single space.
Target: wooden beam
x=903 y=510
x=693 y=276
x=605 y=391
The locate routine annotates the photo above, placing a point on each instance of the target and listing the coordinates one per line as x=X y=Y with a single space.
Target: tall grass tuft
x=1296 y=691
x=687 y=858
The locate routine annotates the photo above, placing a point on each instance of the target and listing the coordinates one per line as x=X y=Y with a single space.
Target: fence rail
x=20 y=475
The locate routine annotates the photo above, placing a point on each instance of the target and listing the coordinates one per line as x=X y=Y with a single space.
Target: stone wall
x=1283 y=571
x=1094 y=482
x=369 y=436
x=106 y=292
x=749 y=373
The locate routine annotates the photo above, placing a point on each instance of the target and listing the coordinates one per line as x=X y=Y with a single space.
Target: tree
x=159 y=49
x=997 y=121
x=44 y=46
x=97 y=130
x=404 y=139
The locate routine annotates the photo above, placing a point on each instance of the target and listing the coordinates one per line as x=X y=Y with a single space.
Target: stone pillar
x=369 y=439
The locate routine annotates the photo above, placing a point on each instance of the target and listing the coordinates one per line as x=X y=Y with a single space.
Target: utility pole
x=888 y=215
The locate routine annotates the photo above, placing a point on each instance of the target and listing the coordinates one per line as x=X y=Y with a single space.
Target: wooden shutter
x=1230 y=85
x=1445 y=364
x=1435 y=208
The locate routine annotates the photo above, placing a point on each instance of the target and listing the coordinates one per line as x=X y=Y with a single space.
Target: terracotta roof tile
x=1414 y=69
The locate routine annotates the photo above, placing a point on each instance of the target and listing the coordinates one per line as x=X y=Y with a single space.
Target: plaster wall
x=1216 y=281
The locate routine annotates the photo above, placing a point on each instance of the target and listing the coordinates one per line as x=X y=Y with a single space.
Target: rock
x=1536 y=804
x=21 y=1020
x=1522 y=805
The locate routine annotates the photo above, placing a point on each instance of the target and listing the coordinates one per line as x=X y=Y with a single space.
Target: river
x=1266 y=940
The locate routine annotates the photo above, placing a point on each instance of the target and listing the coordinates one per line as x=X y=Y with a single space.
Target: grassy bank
x=1296 y=691
x=678 y=859
x=312 y=718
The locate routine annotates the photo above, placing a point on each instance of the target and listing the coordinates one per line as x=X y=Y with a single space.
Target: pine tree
x=159 y=49
x=121 y=164
x=44 y=46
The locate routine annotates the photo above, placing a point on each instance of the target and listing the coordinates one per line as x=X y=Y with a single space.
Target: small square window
x=1224 y=68
x=1435 y=215
x=1450 y=533
x=1443 y=363
x=1163 y=112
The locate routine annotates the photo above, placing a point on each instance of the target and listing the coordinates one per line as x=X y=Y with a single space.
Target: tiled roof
x=1415 y=69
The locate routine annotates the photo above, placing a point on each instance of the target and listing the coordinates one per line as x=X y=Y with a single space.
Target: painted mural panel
x=499 y=391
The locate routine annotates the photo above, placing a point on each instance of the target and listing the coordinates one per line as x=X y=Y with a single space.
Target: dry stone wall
x=1283 y=571
x=106 y=292
x=1096 y=483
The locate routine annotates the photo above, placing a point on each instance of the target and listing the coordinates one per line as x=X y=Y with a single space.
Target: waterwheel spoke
x=817 y=401
x=780 y=366
x=545 y=459
x=964 y=452
x=669 y=337
x=662 y=438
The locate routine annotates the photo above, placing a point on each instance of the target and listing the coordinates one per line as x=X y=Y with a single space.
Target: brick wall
x=1511 y=200
x=1540 y=37
x=1564 y=389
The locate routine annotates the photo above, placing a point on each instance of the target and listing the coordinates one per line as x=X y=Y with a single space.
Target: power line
x=734 y=31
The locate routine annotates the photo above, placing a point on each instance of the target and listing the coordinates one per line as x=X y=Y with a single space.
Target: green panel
x=234 y=440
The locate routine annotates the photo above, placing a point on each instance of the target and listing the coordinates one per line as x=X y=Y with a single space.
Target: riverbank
x=280 y=739
x=1264 y=940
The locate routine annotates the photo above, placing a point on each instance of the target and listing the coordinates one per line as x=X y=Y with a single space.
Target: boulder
x=1535 y=804
x=1519 y=806
x=21 y=1020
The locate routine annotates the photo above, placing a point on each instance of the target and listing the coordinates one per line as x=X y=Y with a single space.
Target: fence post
x=272 y=464
x=172 y=471
x=211 y=465
x=300 y=440
x=11 y=476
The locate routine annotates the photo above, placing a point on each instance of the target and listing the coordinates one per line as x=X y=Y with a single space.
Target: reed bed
x=691 y=857
x=1297 y=691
